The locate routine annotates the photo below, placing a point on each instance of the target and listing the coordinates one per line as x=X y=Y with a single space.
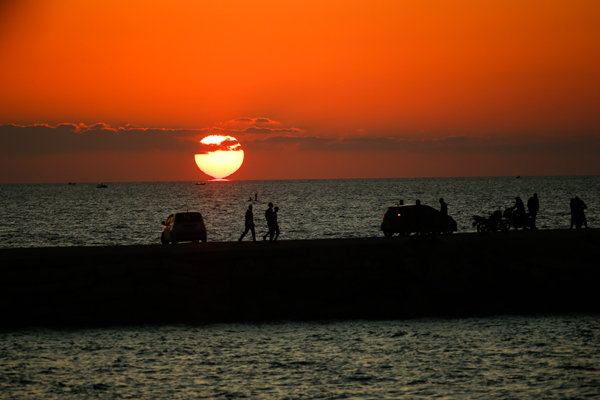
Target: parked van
x=419 y=219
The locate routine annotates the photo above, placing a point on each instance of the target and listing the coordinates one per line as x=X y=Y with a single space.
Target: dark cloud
x=71 y=138
x=255 y=121
x=589 y=144
x=457 y=144
x=244 y=125
x=226 y=145
x=269 y=131
x=308 y=143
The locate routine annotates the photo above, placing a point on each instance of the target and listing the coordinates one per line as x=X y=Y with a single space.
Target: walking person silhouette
x=269 y=213
x=249 y=222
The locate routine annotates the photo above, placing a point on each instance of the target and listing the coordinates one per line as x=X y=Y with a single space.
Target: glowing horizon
x=311 y=89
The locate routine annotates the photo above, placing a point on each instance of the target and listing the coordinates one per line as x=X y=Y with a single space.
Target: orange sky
x=311 y=89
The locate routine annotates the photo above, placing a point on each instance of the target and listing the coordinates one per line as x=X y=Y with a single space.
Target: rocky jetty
x=555 y=271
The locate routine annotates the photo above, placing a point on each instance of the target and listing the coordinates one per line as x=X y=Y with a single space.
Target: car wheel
x=482 y=229
x=388 y=233
x=163 y=240
x=203 y=240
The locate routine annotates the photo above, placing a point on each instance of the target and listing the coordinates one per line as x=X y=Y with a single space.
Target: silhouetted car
x=183 y=227
x=416 y=218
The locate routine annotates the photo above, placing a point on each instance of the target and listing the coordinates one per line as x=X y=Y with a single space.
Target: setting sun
x=223 y=156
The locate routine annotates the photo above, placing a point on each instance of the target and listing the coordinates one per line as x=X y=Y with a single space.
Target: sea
x=128 y=213
x=502 y=357
x=497 y=357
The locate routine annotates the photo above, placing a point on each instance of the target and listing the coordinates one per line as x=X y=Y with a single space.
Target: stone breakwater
x=372 y=278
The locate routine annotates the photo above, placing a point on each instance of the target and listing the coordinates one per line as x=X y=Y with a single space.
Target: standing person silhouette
x=443 y=219
x=444 y=207
x=519 y=209
x=533 y=206
x=249 y=222
x=269 y=217
x=578 y=213
x=275 y=224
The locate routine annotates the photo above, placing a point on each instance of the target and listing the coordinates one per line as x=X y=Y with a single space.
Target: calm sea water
x=543 y=357
x=45 y=215
x=507 y=357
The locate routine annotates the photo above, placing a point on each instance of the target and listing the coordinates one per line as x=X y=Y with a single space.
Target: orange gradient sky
x=123 y=91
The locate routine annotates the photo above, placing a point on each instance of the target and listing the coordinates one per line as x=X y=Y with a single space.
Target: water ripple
x=500 y=357
x=131 y=213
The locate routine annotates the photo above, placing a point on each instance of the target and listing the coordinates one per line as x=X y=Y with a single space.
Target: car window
x=393 y=211
x=189 y=217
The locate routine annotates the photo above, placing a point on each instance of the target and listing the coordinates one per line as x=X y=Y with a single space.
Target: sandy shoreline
x=399 y=277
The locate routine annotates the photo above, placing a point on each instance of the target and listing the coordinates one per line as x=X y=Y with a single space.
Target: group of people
x=577 y=206
x=272 y=224
x=533 y=205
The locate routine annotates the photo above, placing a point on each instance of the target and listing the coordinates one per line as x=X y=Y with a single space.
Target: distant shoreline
x=464 y=274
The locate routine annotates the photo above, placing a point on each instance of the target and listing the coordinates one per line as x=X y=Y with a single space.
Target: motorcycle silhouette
x=494 y=223
x=517 y=221
x=502 y=221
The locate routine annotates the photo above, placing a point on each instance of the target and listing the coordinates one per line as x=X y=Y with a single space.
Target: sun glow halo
x=224 y=160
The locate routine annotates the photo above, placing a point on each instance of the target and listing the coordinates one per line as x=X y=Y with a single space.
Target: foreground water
x=131 y=213
x=524 y=357
x=543 y=357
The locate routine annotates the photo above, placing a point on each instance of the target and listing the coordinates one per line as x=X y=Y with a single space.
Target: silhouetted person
x=443 y=208
x=442 y=222
x=269 y=217
x=255 y=196
x=519 y=209
x=249 y=224
x=275 y=223
x=578 y=213
x=250 y=199
x=401 y=203
x=533 y=206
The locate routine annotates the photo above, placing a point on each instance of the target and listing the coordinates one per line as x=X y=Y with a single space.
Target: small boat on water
x=200 y=183
x=102 y=186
